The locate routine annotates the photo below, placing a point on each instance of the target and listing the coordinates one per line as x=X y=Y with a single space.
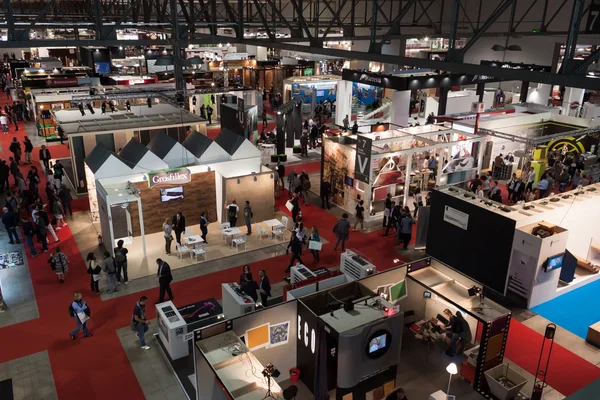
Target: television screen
x=169 y=194
x=349 y=181
x=554 y=262
x=377 y=343
x=320 y=93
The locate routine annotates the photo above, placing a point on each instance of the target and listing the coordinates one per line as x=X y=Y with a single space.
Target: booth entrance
x=121 y=222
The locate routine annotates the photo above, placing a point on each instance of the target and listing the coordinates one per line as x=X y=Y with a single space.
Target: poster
x=363 y=158
x=462 y=158
x=279 y=334
x=257 y=338
x=200 y=310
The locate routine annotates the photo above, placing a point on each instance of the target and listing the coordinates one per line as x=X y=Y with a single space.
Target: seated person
x=457 y=327
x=397 y=394
x=249 y=287
x=271 y=137
x=263 y=136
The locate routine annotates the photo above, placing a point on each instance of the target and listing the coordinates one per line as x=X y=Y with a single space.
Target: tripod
x=269 y=394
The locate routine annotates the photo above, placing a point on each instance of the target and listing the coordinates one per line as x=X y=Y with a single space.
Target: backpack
x=71 y=310
x=119 y=257
x=232 y=211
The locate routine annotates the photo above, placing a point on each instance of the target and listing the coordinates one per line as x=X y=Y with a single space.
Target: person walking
x=405 y=228
x=44 y=216
x=325 y=192
x=360 y=215
x=95 y=272
x=58 y=212
x=81 y=313
x=64 y=194
x=248 y=217
x=232 y=212
x=209 y=112
x=4 y=172
x=33 y=179
x=110 y=268
x=393 y=217
x=28 y=146
x=313 y=136
x=14 y=169
x=204 y=226
x=4 y=123
x=45 y=157
x=168 y=234
x=28 y=233
x=314 y=237
x=139 y=323
x=342 y=231
x=178 y=225
x=40 y=230
x=295 y=207
x=15 y=148
x=11 y=222
x=264 y=288
x=121 y=262
x=387 y=209
x=304 y=144
x=59 y=170
x=61 y=264
x=164 y=280
x=296 y=246
x=264 y=118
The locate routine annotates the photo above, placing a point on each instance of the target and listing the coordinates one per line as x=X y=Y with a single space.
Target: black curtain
x=320 y=386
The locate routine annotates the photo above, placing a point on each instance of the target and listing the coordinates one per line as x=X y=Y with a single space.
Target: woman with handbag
x=314 y=237
x=61 y=264
x=168 y=233
x=95 y=272
x=81 y=313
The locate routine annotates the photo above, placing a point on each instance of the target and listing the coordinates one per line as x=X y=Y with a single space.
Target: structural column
x=280 y=134
x=443 y=101
x=480 y=91
x=524 y=92
x=572 y=100
x=400 y=107
x=343 y=102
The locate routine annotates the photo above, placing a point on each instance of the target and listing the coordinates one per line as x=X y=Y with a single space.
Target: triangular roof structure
x=235 y=145
x=140 y=158
x=204 y=149
x=171 y=151
x=103 y=163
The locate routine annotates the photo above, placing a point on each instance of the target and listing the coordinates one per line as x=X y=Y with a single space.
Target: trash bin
x=294 y=375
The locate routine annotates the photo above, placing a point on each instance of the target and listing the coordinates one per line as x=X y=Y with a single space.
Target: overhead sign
x=169 y=177
x=62 y=82
x=456 y=217
x=593 y=21
x=362 y=165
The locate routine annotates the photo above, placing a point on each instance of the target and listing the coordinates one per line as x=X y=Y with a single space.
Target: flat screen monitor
x=349 y=181
x=567 y=272
x=170 y=194
x=320 y=93
x=554 y=262
x=378 y=343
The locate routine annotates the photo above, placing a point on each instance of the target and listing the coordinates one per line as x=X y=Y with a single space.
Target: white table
x=231 y=233
x=193 y=240
x=273 y=223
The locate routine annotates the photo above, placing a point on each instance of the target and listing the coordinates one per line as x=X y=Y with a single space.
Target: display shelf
x=430 y=277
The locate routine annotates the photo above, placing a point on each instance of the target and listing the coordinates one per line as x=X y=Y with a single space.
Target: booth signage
x=362 y=164
x=456 y=218
x=62 y=82
x=511 y=65
x=169 y=177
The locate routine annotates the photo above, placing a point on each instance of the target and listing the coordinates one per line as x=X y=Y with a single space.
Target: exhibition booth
x=114 y=130
x=393 y=162
x=198 y=175
x=530 y=134
x=303 y=347
x=217 y=98
x=542 y=249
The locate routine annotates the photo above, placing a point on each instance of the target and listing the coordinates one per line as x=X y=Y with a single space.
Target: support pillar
x=524 y=92
x=443 y=101
x=480 y=91
x=540 y=94
x=280 y=134
x=399 y=108
x=572 y=101
x=343 y=102
x=290 y=135
x=297 y=114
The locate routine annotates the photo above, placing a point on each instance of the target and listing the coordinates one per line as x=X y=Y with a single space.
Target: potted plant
x=283 y=157
x=274 y=158
x=297 y=149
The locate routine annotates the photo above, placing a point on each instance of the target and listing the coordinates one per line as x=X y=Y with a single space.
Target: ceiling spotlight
x=120 y=47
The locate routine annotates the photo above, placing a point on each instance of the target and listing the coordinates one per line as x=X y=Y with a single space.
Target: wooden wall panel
x=199 y=195
x=259 y=193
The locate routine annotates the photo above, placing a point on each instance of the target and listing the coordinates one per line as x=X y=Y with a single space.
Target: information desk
x=237 y=369
x=171 y=328
x=234 y=302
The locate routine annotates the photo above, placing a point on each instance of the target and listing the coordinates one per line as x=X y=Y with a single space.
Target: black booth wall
x=230 y=119
x=482 y=251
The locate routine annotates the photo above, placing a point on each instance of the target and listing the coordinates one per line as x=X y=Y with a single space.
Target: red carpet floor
x=97 y=367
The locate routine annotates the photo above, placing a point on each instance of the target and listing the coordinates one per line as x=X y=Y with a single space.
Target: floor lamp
x=452 y=370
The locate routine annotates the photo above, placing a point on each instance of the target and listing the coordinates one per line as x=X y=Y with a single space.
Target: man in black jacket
x=40 y=230
x=45 y=157
x=164 y=280
x=29 y=233
x=264 y=287
x=178 y=224
x=64 y=194
x=325 y=193
x=388 y=206
x=249 y=287
x=9 y=219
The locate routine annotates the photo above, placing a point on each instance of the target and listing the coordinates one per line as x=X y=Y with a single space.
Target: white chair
x=200 y=251
x=278 y=232
x=181 y=250
x=238 y=241
x=225 y=225
x=261 y=230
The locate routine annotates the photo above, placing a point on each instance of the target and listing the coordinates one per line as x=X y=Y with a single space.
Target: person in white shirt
x=232 y=212
x=530 y=179
x=4 y=123
x=480 y=191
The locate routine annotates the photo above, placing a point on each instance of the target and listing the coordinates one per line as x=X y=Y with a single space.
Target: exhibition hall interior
x=300 y=199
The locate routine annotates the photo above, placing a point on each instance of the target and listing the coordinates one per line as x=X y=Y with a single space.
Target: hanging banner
x=362 y=165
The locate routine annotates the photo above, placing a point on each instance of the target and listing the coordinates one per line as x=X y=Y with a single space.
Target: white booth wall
x=458 y=102
x=343 y=103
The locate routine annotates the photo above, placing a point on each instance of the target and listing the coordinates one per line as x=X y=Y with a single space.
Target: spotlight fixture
x=238 y=181
x=255 y=179
x=474 y=291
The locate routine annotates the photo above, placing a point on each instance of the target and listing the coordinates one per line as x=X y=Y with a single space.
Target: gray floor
x=17 y=289
x=32 y=377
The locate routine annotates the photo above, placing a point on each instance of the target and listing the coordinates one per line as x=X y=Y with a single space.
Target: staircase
x=516 y=286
